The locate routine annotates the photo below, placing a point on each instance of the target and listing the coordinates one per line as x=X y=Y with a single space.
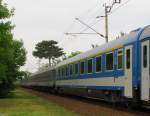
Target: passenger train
x=118 y=71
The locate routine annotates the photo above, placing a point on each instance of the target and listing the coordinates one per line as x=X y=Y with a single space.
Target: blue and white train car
x=116 y=70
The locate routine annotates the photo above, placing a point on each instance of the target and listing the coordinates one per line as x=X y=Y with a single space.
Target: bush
x=5 y=88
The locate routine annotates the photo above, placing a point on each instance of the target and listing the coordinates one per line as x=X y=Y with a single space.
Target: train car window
x=82 y=67
x=145 y=56
x=71 y=69
x=120 y=59
x=59 y=72
x=76 y=68
x=62 y=72
x=128 y=62
x=109 y=61
x=98 y=64
x=90 y=65
x=66 y=70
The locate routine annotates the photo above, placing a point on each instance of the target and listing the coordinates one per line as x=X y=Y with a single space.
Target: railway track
x=90 y=107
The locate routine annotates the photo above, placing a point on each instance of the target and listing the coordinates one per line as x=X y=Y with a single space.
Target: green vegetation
x=25 y=104
x=12 y=52
x=72 y=54
x=48 y=50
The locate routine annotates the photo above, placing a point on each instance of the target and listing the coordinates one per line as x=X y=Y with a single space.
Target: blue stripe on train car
x=117 y=73
x=107 y=87
x=96 y=87
x=135 y=65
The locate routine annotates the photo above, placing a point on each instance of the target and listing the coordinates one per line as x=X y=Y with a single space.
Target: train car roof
x=42 y=72
x=118 y=43
x=145 y=33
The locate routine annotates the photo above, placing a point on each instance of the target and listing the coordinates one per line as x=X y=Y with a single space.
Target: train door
x=145 y=70
x=128 y=71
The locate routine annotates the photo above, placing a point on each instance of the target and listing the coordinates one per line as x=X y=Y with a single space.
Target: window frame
x=96 y=64
x=70 y=65
x=77 y=63
x=57 y=73
x=61 y=73
x=128 y=67
x=64 y=69
x=80 y=68
x=106 y=61
x=88 y=67
x=67 y=71
x=121 y=49
x=145 y=62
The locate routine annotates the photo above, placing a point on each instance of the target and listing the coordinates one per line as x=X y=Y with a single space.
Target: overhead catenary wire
x=108 y=11
x=94 y=21
x=101 y=35
x=84 y=29
x=71 y=26
x=85 y=15
x=91 y=19
x=119 y=7
x=91 y=25
x=109 y=14
x=88 y=11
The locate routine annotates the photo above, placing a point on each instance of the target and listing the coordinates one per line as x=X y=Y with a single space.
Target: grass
x=22 y=103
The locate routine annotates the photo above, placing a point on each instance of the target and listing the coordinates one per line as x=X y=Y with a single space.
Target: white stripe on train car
x=106 y=81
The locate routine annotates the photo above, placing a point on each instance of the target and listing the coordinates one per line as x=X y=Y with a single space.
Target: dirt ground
x=85 y=108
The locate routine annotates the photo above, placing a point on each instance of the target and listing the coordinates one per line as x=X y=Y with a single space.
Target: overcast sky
x=38 y=20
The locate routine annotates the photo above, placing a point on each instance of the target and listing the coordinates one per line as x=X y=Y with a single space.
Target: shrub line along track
x=89 y=107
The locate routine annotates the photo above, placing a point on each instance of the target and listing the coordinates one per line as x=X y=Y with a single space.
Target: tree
x=26 y=75
x=48 y=50
x=18 y=60
x=71 y=55
x=74 y=54
x=122 y=34
x=43 y=67
x=12 y=52
x=94 y=45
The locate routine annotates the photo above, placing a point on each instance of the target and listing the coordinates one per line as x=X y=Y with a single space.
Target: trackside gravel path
x=85 y=108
